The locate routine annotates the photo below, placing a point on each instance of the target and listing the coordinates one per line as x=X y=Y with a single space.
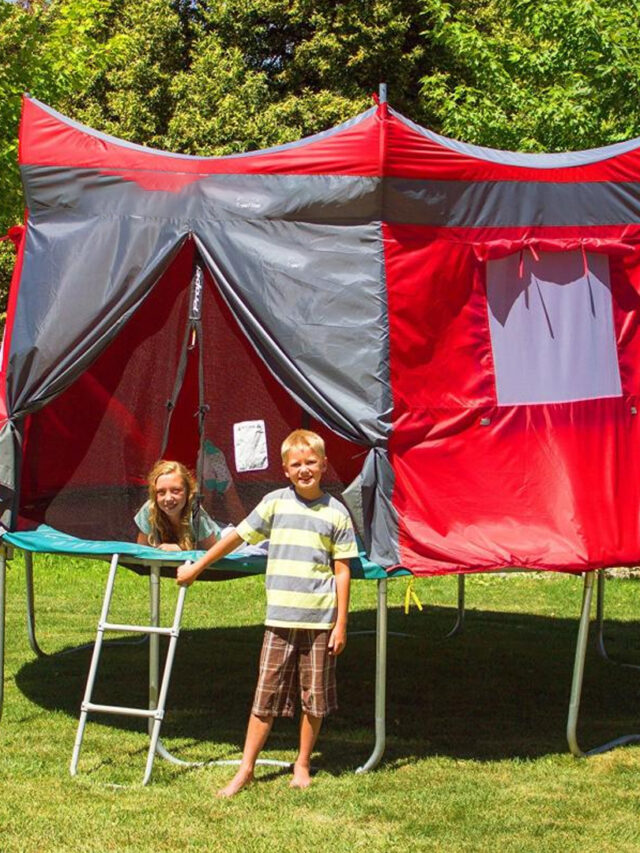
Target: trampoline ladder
x=156 y=714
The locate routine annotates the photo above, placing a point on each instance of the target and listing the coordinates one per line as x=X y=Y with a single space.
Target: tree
x=209 y=78
x=265 y=72
x=533 y=75
x=51 y=49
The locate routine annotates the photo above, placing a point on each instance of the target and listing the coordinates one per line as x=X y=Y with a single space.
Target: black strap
x=197 y=295
x=201 y=414
x=191 y=332
x=192 y=338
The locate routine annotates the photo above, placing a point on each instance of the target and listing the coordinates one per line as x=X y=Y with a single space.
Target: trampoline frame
x=154 y=569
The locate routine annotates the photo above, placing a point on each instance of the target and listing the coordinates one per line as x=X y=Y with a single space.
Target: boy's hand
x=186 y=574
x=337 y=640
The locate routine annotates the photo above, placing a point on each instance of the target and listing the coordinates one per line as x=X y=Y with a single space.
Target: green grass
x=476 y=757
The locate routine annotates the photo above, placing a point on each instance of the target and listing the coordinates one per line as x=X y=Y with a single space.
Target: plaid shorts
x=292 y=661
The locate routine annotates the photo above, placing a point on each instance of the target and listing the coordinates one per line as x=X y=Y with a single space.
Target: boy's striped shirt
x=305 y=537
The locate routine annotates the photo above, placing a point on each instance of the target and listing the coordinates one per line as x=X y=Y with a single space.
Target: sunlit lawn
x=476 y=755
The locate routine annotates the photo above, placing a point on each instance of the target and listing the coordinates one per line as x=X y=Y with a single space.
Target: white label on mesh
x=250 y=446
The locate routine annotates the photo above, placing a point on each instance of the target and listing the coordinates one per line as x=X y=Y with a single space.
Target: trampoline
x=462 y=325
x=156 y=564
x=147 y=560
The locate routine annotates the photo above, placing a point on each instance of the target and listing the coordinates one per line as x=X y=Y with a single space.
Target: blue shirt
x=206 y=525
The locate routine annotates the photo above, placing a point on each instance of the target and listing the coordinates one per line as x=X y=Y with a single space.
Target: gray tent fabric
x=380 y=516
x=98 y=289
x=7 y=462
x=503 y=204
x=262 y=237
x=323 y=329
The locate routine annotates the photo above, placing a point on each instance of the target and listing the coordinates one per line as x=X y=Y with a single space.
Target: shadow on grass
x=498 y=690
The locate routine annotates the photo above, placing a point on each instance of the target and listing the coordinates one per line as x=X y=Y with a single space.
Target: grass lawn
x=476 y=757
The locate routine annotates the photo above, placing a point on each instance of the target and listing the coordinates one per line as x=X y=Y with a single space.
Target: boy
x=311 y=541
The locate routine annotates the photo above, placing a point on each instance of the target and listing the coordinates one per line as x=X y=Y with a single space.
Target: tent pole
x=576 y=683
x=3 y=590
x=381 y=680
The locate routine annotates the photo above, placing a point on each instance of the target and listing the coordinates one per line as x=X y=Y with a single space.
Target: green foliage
x=215 y=78
x=52 y=49
x=131 y=98
x=534 y=75
x=7 y=260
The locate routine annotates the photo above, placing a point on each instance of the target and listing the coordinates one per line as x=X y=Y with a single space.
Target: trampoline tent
x=462 y=321
x=467 y=316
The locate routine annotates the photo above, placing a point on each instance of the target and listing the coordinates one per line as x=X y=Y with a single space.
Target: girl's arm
x=338 y=637
x=143 y=539
x=209 y=541
x=186 y=574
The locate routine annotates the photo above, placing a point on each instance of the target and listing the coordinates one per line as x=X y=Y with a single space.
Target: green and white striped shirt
x=305 y=537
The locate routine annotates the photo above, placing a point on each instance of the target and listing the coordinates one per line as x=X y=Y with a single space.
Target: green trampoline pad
x=47 y=540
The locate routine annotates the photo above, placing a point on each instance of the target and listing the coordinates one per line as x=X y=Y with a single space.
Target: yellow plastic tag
x=409 y=596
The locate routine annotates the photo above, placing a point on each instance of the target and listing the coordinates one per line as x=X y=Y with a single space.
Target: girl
x=165 y=520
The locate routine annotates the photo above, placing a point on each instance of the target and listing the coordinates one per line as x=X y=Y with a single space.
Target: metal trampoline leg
x=600 y=615
x=578 y=666
x=381 y=680
x=602 y=650
x=31 y=609
x=576 y=683
x=459 y=625
x=3 y=594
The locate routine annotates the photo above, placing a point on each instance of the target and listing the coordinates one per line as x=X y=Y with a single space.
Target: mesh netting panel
x=240 y=388
x=87 y=454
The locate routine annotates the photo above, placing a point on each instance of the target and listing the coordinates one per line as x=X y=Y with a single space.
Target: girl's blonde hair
x=303 y=438
x=161 y=530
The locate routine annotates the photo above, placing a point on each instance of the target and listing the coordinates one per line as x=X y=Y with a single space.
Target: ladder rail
x=155 y=713
x=164 y=686
x=93 y=668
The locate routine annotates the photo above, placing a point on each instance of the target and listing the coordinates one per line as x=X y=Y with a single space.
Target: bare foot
x=301 y=777
x=239 y=781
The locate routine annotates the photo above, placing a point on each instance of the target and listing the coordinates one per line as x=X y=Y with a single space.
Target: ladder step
x=136 y=629
x=118 y=709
